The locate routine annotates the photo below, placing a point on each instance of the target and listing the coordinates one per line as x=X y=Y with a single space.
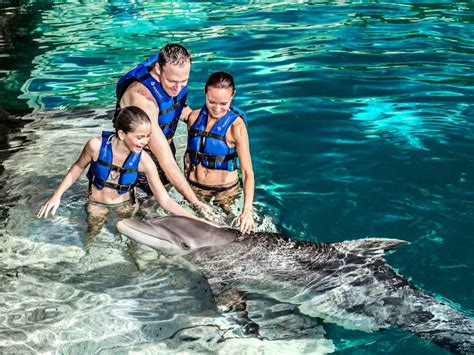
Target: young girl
x=217 y=141
x=115 y=160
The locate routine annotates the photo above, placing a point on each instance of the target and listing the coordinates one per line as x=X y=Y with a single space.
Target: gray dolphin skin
x=346 y=283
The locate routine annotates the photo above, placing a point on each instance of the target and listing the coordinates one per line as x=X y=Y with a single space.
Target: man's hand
x=208 y=213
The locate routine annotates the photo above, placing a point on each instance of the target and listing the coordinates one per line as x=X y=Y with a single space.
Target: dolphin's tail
x=370 y=247
x=441 y=324
x=407 y=306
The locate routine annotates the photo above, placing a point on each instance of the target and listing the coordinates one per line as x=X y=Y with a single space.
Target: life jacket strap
x=115 y=167
x=174 y=122
x=120 y=188
x=239 y=114
x=144 y=76
x=171 y=108
x=211 y=158
x=198 y=132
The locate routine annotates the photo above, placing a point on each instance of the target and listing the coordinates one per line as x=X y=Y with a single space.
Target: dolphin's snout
x=121 y=225
x=125 y=226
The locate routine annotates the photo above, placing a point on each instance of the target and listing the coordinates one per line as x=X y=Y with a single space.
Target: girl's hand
x=52 y=204
x=245 y=221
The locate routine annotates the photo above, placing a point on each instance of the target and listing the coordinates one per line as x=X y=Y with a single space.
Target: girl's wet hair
x=220 y=80
x=174 y=54
x=130 y=117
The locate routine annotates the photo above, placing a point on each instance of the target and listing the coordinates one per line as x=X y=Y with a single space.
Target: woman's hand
x=52 y=204
x=245 y=221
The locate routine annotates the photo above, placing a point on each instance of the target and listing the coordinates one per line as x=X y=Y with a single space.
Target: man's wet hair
x=175 y=54
x=220 y=80
x=130 y=117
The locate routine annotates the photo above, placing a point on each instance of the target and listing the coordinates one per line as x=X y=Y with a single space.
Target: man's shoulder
x=137 y=95
x=138 y=89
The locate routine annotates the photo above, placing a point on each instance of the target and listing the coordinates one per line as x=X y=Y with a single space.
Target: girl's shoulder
x=94 y=144
x=146 y=165
x=145 y=161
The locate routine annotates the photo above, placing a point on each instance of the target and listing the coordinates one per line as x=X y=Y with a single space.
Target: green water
x=360 y=120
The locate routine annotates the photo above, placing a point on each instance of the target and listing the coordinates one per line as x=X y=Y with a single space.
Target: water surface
x=360 y=119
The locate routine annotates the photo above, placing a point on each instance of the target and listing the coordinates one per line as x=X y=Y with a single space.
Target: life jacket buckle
x=123 y=188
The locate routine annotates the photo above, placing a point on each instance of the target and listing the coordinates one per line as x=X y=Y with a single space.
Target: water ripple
x=360 y=124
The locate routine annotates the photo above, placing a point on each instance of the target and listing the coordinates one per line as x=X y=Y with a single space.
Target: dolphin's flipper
x=233 y=304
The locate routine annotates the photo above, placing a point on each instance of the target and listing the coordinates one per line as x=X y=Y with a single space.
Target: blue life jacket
x=99 y=170
x=213 y=152
x=170 y=107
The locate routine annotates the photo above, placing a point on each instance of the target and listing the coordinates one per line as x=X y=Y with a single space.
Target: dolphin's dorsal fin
x=370 y=247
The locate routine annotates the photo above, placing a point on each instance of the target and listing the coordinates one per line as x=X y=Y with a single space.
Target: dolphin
x=346 y=283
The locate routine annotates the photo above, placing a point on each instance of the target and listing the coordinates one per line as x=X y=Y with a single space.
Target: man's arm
x=162 y=151
x=139 y=96
x=159 y=191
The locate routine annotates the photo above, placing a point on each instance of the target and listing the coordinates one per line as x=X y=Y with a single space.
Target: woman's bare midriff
x=213 y=177
x=107 y=196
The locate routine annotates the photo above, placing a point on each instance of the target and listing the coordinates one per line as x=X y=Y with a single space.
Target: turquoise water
x=360 y=119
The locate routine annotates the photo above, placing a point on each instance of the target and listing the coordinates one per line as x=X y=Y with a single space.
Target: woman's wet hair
x=174 y=54
x=220 y=80
x=130 y=117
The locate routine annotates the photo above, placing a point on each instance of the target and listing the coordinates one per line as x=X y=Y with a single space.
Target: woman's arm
x=240 y=137
x=92 y=146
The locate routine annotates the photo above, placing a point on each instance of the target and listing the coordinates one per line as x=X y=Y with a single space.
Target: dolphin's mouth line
x=148 y=234
x=165 y=240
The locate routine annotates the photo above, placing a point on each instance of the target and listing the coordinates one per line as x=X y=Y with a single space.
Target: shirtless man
x=159 y=87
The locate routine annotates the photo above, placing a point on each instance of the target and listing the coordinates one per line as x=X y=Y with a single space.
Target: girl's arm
x=159 y=190
x=240 y=136
x=93 y=145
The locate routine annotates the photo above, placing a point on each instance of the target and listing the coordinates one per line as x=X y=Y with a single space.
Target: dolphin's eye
x=185 y=246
